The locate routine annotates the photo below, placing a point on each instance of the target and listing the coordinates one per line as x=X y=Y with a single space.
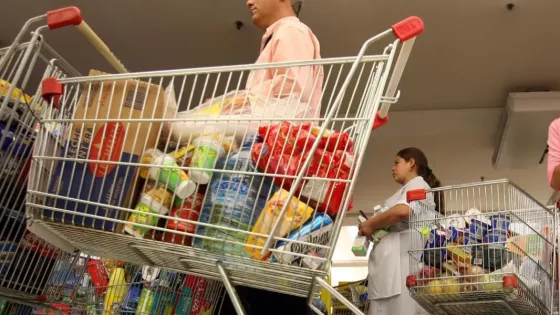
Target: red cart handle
x=73 y=16
x=408 y=28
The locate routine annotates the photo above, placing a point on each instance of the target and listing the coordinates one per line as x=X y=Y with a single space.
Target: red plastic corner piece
x=64 y=17
x=379 y=122
x=41 y=298
x=52 y=90
x=408 y=28
x=415 y=195
x=410 y=281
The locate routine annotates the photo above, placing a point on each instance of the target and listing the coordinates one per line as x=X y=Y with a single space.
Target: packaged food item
x=497 y=238
x=234 y=200
x=116 y=291
x=208 y=150
x=188 y=209
x=230 y=144
x=132 y=299
x=478 y=228
x=193 y=298
x=171 y=177
x=146 y=301
x=99 y=276
x=159 y=193
x=296 y=214
x=316 y=231
x=147 y=206
x=500 y=221
x=102 y=141
x=459 y=255
x=360 y=246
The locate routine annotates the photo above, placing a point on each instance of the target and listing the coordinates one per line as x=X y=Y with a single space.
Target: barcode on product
x=135 y=97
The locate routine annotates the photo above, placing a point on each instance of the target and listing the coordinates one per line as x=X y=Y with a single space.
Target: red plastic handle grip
x=408 y=28
x=64 y=17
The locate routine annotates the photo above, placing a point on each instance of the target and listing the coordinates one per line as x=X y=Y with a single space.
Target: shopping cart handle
x=64 y=17
x=408 y=28
x=72 y=16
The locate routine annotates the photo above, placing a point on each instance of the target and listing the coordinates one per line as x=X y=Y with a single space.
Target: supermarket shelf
x=285 y=279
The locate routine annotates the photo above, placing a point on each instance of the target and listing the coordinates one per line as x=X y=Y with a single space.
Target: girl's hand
x=366 y=228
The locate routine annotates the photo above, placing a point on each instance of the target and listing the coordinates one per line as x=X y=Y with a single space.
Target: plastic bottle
x=234 y=200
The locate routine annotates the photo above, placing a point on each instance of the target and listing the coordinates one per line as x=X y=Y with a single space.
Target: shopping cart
x=355 y=292
x=232 y=212
x=27 y=261
x=104 y=286
x=492 y=251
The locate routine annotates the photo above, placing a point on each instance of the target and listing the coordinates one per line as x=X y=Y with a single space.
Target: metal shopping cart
x=492 y=251
x=247 y=188
x=355 y=292
x=27 y=261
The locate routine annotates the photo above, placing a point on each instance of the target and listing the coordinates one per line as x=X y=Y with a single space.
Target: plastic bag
x=229 y=113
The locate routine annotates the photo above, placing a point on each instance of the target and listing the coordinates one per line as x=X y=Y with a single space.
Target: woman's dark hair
x=425 y=171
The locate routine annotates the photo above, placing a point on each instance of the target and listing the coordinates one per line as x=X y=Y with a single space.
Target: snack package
x=316 y=231
x=171 y=176
x=285 y=148
x=296 y=214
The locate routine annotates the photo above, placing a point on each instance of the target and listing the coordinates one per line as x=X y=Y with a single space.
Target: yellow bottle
x=115 y=290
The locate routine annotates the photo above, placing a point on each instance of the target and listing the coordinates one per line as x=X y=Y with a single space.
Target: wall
x=459 y=146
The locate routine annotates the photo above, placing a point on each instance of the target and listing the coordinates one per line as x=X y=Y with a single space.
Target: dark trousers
x=261 y=302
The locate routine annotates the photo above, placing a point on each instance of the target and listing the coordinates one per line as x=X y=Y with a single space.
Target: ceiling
x=471 y=54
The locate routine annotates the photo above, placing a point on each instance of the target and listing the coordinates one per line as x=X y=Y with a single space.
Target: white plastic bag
x=235 y=114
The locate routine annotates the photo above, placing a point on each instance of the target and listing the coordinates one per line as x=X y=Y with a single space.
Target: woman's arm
x=390 y=217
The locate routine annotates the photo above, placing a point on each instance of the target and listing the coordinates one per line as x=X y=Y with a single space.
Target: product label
x=142 y=219
x=205 y=157
x=107 y=146
x=315 y=189
x=319 y=237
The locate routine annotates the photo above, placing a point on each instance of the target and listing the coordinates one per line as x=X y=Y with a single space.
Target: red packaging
x=35 y=244
x=98 y=275
x=188 y=210
x=427 y=274
x=334 y=140
x=198 y=286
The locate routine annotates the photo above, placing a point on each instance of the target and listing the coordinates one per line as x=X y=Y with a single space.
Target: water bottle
x=234 y=200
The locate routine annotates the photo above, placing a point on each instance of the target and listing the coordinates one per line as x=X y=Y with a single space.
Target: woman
x=389 y=258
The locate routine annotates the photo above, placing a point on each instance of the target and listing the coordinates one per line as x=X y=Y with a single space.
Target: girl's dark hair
x=425 y=171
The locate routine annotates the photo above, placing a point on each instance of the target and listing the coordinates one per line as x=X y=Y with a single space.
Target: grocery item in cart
x=208 y=151
x=188 y=209
x=478 y=228
x=500 y=221
x=316 y=231
x=234 y=200
x=133 y=296
x=170 y=177
x=147 y=205
x=296 y=214
x=283 y=152
x=98 y=274
x=238 y=106
x=100 y=182
x=116 y=290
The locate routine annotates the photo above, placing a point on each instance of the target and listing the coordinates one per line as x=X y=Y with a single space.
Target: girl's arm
x=396 y=214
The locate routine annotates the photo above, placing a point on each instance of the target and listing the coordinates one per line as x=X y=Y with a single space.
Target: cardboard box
x=99 y=182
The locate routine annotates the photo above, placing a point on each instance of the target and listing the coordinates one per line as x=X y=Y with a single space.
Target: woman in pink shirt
x=554 y=154
x=286 y=39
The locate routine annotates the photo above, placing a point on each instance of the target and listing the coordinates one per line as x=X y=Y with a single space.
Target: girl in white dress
x=389 y=259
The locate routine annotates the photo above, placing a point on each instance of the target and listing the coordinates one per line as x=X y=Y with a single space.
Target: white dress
x=389 y=262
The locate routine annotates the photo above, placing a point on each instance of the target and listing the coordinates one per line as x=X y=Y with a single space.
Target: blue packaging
x=77 y=180
x=478 y=228
x=316 y=231
x=500 y=221
x=233 y=200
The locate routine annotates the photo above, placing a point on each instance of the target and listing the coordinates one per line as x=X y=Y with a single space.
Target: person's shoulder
x=293 y=25
x=417 y=183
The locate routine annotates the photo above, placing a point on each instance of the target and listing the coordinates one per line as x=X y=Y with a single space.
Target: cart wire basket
x=230 y=173
x=356 y=293
x=490 y=250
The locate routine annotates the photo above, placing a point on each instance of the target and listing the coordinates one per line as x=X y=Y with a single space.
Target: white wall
x=459 y=146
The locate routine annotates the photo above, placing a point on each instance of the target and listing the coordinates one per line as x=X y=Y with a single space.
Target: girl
x=389 y=258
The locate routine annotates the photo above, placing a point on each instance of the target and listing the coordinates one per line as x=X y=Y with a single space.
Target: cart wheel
x=410 y=281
